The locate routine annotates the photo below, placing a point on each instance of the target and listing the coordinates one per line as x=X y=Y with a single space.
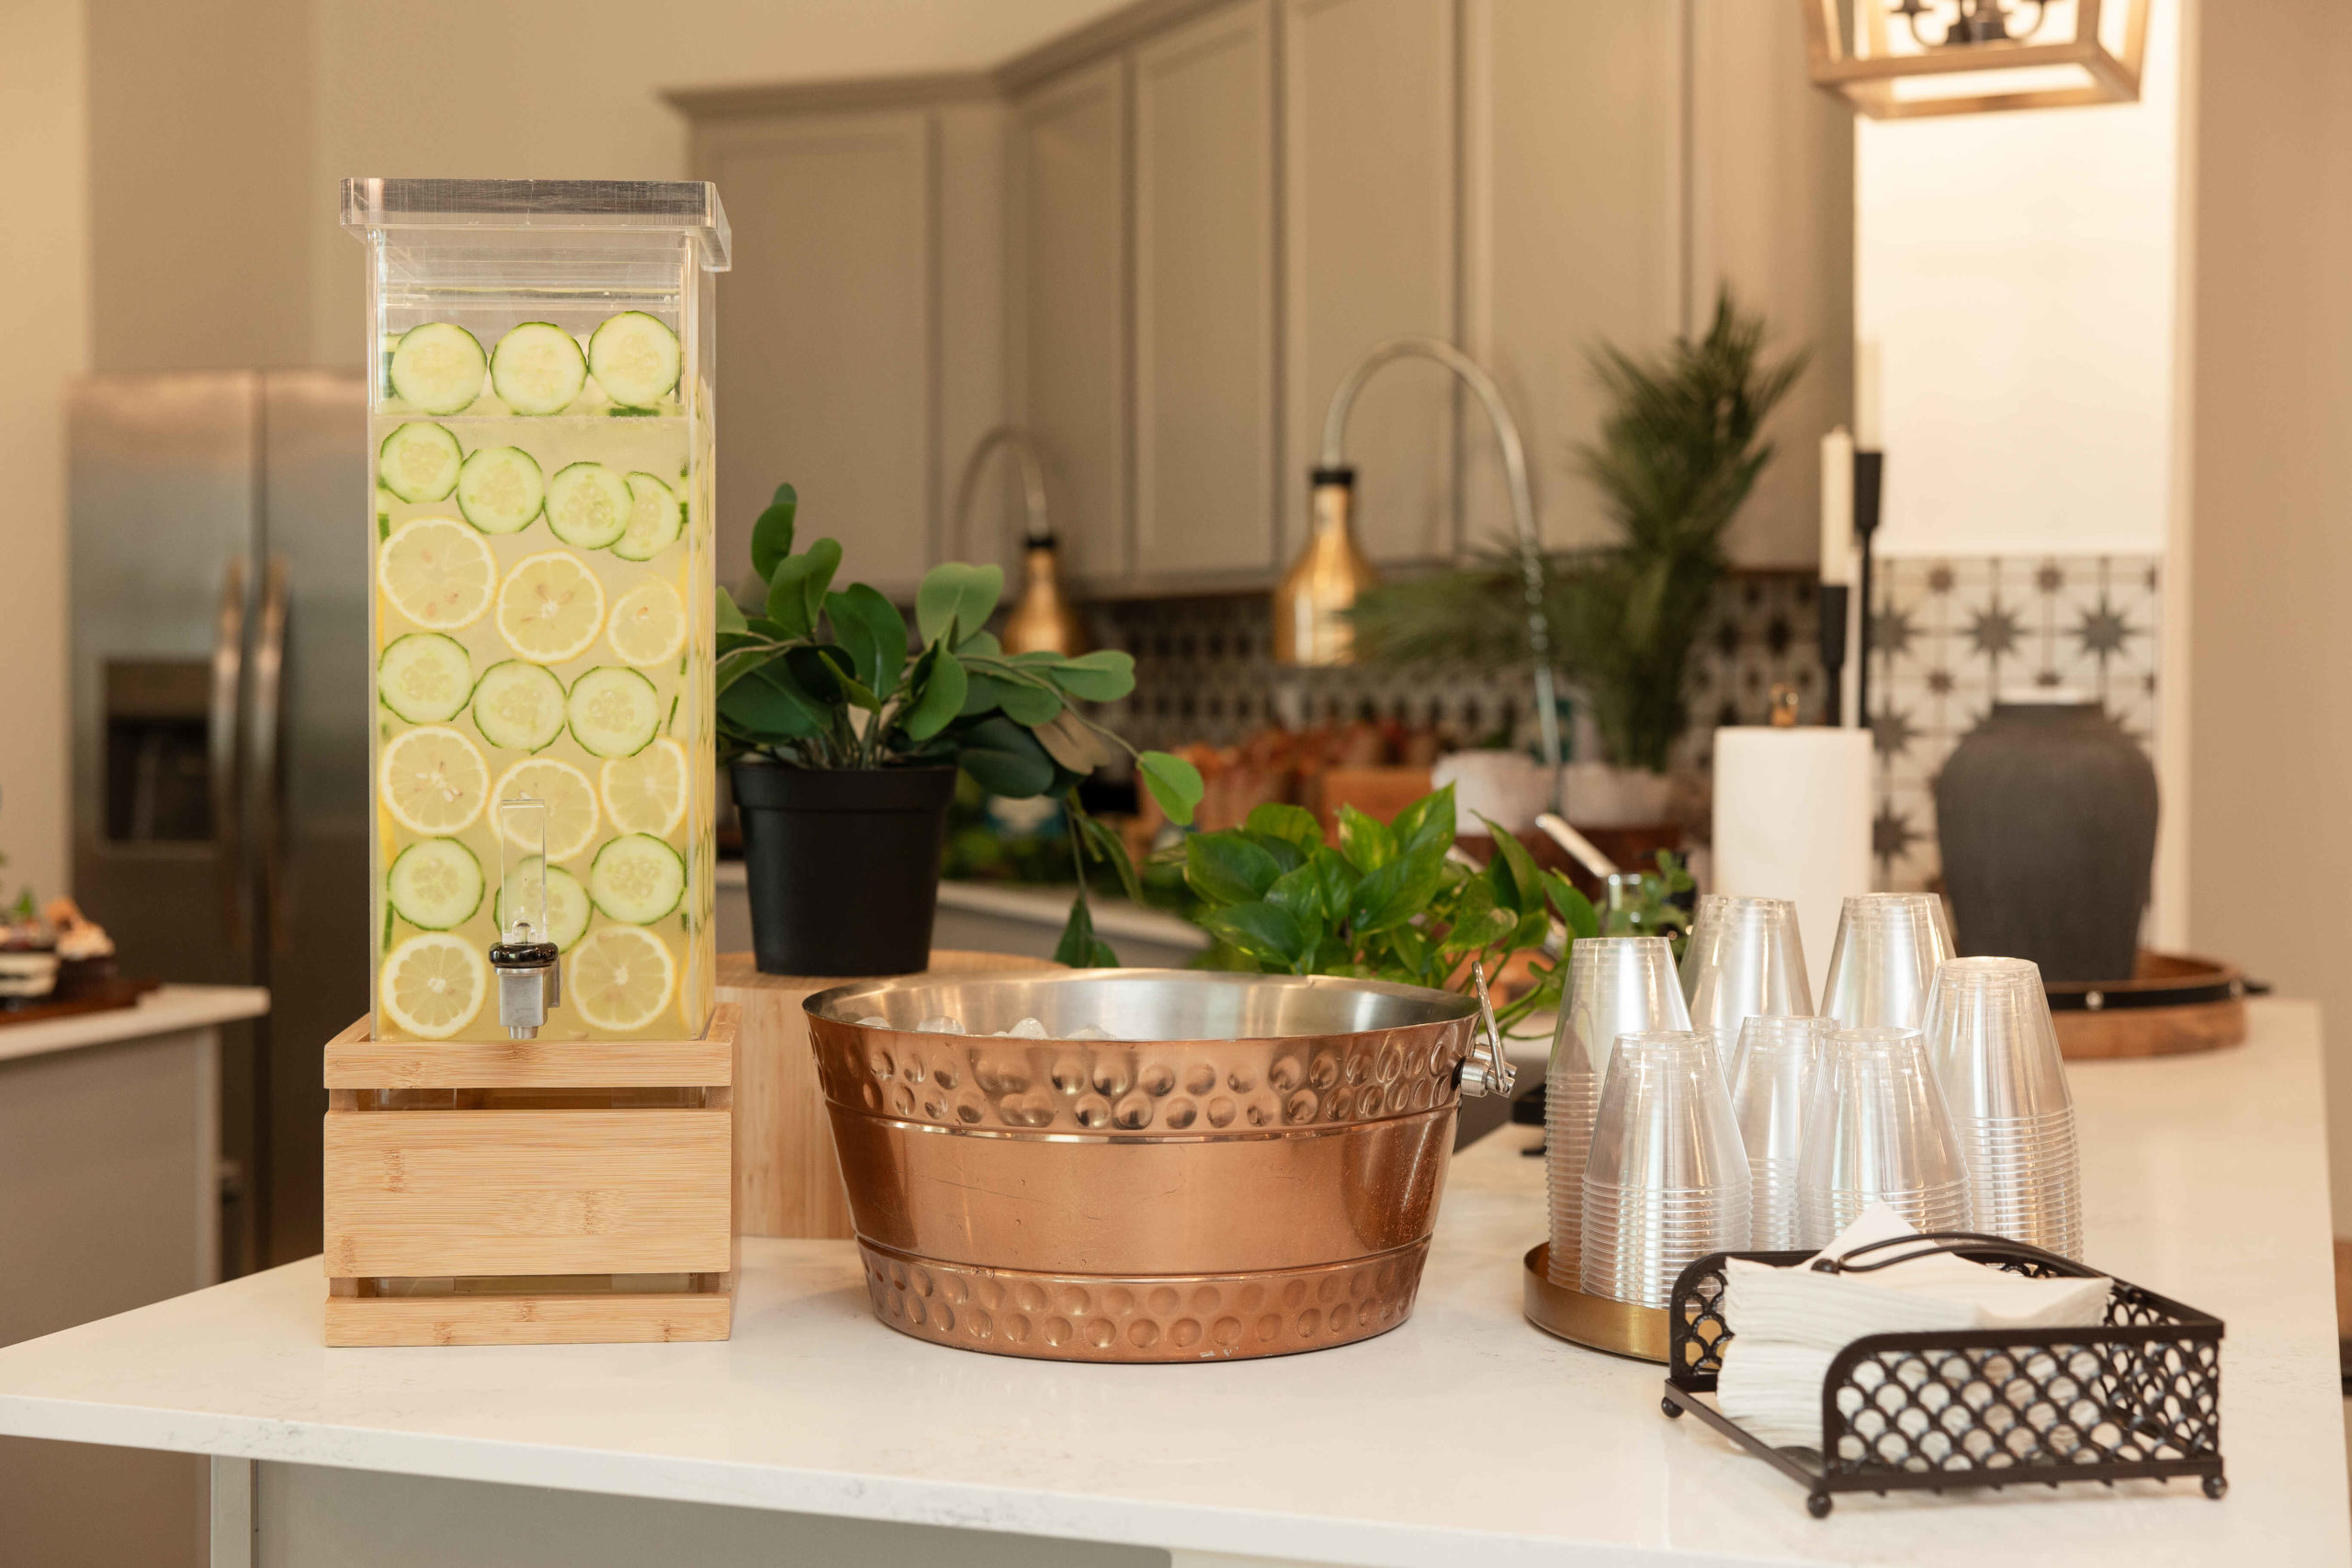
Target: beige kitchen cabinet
x=1067 y=337
x=1371 y=150
x=1206 y=430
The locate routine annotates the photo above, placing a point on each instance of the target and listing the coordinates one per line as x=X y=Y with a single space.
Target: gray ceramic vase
x=2046 y=813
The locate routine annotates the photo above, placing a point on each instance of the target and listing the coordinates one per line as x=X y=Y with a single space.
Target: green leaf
x=772 y=534
x=1428 y=820
x=1287 y=855
x=1004 y=759
x=1032 y=706
x=817 y=670
x=1226 y=868
x=1393 y=895
x=942 y=698
x=730 y=616
x=956 y=595
x=1080 y=947
x=1519 y=883
x=982 y=642
x=982 y=694
x=797 y=587
x=1367 y=843
x=1576 y=910
x=1104 y=844
x=1338 y=879
x=1174 y=783
x=766 y=708
x=1294 y=823
x=1299 y=894
x=874 y=633
x=1103 y=676
x=1261 y=930
x=739 y=662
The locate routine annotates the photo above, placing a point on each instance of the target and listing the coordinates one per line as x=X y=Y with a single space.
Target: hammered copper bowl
x=1252 y=1168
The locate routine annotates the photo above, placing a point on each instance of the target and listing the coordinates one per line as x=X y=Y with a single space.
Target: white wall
x=44 y=291
x=2018 y=272
x=572 y=89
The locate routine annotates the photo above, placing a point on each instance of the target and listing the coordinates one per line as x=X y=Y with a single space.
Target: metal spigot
x=530 y=977
x=1487 y=1070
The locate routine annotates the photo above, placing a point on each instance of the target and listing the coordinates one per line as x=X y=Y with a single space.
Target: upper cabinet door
x=1205 y=298
x=1069 y=306
x=826 y=327
x=1370 y=215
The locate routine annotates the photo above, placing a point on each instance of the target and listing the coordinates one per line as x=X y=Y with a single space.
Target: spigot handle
x=1487 y=1069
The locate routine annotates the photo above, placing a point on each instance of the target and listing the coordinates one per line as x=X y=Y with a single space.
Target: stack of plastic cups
x=1666 y=1182
x=1995 y=1052
x=1770 y=1089
x=1745 y=958
x=1877 y=1131
x=1617 y=985
x=1884 y=959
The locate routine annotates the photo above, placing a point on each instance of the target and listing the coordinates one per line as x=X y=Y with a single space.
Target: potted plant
x=1678 y=451
x=844 y=736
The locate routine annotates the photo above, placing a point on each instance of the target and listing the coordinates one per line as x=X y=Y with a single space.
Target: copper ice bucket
x=1250 y=1168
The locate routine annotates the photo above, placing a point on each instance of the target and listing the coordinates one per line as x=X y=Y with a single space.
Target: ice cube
x=1089 y=1031
x=1027 y=1028
x=941 y=1025
x=873 y=1021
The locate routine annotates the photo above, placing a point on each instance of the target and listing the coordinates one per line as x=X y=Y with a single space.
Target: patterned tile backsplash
x=1949 y=634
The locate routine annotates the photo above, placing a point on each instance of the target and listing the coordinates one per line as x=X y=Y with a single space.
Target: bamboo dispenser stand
x=530 y=1193
x=787 y=1177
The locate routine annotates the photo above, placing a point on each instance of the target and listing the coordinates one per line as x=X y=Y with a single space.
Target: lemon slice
x=622 y=977
x=437 y=572
x=550 y=607
x=572 y=802
x=648 y=623
x=433 y=985
x=432 y=779
x=646 y=793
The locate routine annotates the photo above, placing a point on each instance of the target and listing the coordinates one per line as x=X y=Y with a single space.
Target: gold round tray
x=1620 y=1328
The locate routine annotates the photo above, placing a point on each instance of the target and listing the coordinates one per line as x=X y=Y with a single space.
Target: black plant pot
x=2046 y=815
x=843 y=867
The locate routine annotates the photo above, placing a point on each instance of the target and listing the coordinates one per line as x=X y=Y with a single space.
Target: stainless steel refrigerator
x=220 y=526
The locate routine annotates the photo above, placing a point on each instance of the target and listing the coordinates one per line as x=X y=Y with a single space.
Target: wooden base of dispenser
x=530 y=1193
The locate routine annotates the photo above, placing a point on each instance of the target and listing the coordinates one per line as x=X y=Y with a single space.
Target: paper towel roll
x=1793 y=820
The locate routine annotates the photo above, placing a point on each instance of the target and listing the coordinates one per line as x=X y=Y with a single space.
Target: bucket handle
x=1486 y=1068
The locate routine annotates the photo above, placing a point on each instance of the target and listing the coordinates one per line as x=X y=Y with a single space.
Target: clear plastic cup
x=1745 y=958
x=1877 y=1130
x=1884 y=959
x=1666 y=1181
x=1995 y=1050
x=1771 y=1085
x=1616 y=986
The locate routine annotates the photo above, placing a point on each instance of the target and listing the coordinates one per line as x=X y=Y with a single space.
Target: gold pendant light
x=1904 y=58
x=1043 y=620
x=1312 y=604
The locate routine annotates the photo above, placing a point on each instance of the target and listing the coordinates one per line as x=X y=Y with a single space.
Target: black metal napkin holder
x=2140 y=1396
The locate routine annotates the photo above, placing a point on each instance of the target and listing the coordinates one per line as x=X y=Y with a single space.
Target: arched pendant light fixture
x=1043 y=619
x=1902 y=59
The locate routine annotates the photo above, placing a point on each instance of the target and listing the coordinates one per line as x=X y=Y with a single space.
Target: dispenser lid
x=683 y=207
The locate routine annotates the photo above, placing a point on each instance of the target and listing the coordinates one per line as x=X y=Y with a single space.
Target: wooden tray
x=530 y=1193
x=2177 y=1003
x=97 y=996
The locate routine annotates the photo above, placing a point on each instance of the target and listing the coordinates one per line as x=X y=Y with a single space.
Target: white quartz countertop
x=165 y=1012
x=1463 y=1437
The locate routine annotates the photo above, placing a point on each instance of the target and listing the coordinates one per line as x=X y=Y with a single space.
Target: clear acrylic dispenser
x=541 y=356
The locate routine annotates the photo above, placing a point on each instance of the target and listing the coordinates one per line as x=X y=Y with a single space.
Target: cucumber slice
x=384 y=501
x=636 y=878
x=589 y=505
x=424 y=677
x=567 y=907
x=655 y=519
x=437 y=367
x=537 y=368
x=419 y=462
x=435 y=885
x=614 y=712
x=519 y=705
x=635 y=358
x=499 y=489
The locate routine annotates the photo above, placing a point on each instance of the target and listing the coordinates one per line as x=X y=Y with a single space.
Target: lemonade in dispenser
x=540 y=424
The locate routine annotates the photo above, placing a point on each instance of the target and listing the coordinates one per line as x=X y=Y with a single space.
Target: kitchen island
x=1464 y=1438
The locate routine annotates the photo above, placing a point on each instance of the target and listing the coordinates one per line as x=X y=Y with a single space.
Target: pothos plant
x=1389 y=902
x=818 y=677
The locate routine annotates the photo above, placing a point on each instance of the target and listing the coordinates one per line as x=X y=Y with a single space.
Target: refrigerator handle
x=228 y=807
x=265 y=764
